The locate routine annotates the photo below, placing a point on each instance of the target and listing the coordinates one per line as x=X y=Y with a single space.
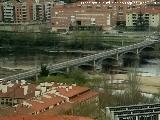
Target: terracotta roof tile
x=72 y=92
x=44 y=117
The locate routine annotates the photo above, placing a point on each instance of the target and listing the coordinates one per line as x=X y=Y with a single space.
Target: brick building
x=64 y=16
x=26 y=11
x=22 y=12
x=85 y=13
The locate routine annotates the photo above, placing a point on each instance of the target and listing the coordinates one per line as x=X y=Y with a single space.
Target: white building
x=8 y=12
x=150 y=19
x=48 y=6
x=38 y=13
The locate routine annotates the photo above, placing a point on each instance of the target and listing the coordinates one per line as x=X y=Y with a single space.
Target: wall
x=25 y=27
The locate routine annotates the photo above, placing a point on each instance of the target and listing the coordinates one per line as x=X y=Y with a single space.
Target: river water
x=26 y=61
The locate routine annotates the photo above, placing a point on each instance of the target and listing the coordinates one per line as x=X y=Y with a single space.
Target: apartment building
x=151 y=17
x=26 y=11
x=22 y=12
x=64 y=16
x=48 y=7
x=8 y=10
x=38 y=12
x=12 y=94
x=1 y=12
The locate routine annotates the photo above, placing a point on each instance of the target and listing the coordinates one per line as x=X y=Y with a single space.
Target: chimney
x=70 y=87
x=66 y=89
x=0 y=86
x=4 y=88
x=17 y=81
x=43 y=89
x=25 y=89
x=23 y=82
x=37 y=93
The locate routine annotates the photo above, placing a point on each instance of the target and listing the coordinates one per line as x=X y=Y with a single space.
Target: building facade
x=64 y=16
x=8 y=10
x=150 y=18
x=26 y=11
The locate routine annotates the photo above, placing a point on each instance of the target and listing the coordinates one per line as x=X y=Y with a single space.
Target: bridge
x=138 y=47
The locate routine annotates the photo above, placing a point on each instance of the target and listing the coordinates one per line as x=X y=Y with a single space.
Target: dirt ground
x=148 y=84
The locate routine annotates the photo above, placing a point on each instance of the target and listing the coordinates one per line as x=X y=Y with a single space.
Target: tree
x=132 y=94
x=78 y=76
x=44 y=70
x=140 y=24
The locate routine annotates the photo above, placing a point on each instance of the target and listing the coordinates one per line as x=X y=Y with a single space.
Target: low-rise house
x=44 y=117
x=34 y=99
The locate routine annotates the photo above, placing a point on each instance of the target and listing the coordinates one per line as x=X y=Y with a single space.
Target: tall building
x=151 y=17
x=48 y=7
x=38 y=12
x=8 y=12
x=1 y=12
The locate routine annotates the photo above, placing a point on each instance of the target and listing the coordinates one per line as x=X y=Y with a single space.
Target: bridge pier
x=67 y=70
x=97 y=66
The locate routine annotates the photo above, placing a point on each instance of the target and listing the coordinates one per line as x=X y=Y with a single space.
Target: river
x=12 y=63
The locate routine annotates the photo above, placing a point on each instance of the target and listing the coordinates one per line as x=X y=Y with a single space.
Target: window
x=89 y=6
x=109 y=7
x=98 y=6
x=133 y=14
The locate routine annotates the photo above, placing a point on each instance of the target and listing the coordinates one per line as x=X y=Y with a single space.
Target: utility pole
x=122 y=43
x=36 y=66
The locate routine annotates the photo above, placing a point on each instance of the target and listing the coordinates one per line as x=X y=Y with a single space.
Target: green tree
x=44 y=70
x=78 y=76
x=140 y=24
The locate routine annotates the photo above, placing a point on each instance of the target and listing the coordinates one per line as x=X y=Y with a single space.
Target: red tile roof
x=44 y=117
x=85 y=96
x=72 y=92
x=17 y=91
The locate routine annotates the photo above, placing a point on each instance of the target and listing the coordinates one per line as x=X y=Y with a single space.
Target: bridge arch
x=86 y=66
x=146 y=47
x=127 y=52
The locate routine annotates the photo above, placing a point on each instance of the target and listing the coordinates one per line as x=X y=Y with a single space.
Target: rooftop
x=43 y=117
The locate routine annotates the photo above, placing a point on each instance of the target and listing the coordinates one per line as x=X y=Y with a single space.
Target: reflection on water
x=25 y=61
x=151 y=68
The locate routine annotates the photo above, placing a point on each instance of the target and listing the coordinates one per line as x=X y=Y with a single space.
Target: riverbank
x=149 y=84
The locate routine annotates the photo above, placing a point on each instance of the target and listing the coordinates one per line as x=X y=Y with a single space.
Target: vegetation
x=83 y=40
x=44 y=70
x=86 y=40
x=141 y=25
x=13 y=39
x=77 y=76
